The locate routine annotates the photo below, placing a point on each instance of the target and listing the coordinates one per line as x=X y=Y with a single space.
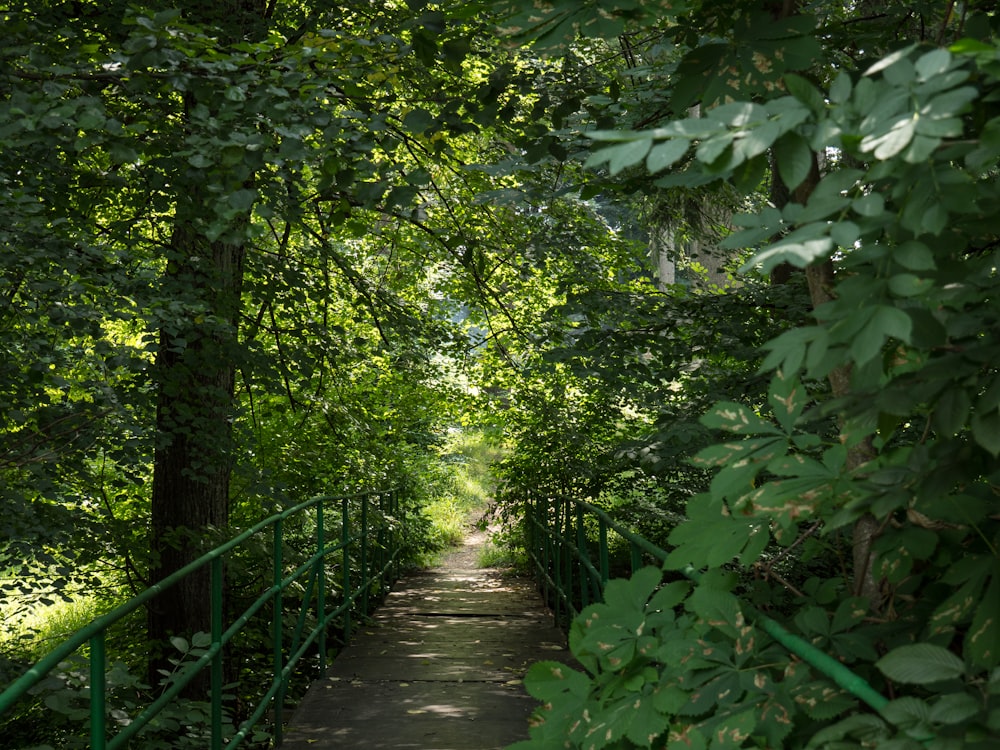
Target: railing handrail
x=93 y=632
x=824 y=663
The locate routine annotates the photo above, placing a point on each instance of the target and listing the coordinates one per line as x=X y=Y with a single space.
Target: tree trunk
x=195 y=370
x=196 y=367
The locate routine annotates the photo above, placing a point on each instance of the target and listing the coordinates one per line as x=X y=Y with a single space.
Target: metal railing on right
x=360 y=547
x=568 y=545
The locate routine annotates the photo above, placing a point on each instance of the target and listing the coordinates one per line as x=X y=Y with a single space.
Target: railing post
x=543 y=544
x=551 y=514
x=321 y=593
x=382 y=542
x=345 y=550
x=605 y=567
x=558 y=508
x=582 y=554
x=276 y=630
x=529 y=529
x=568 y=560
x=364 y=555
x=216 y=674
x=398 y=535
x=98 y=692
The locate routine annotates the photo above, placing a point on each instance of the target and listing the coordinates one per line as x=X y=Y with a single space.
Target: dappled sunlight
x=441 y=664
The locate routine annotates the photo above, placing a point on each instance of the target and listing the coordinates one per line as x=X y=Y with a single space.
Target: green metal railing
x=573 y=573
x=368 y=537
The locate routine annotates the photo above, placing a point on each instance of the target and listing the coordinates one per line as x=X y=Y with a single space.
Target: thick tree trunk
x=196 y=367
x=195 y=373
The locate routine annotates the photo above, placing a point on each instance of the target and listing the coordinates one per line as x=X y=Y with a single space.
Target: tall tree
x=162 y=143
x=198 y=352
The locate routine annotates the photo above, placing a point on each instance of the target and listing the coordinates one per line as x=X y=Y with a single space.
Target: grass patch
x=463 y=486
x=502 y=556
x=46 y=626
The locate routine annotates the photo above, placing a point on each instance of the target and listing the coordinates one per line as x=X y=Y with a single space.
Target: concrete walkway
x=440 y=666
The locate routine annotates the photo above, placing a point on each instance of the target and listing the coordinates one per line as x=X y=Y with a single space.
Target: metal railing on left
x=361 y=545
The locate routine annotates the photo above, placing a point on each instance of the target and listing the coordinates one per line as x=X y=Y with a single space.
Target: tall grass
x=464 y=485
x=30 y=637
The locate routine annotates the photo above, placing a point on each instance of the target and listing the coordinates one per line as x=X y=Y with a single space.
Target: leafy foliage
x=401 y=198
x=854 y=495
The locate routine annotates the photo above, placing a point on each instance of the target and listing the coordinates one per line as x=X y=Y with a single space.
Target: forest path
x=439 y=666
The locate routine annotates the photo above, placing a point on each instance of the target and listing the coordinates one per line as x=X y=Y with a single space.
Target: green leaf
x=901 y=74
x=891 y=59
x=789 y=349
x=990 y=398
x=885 y=323
x=548 y=680
x=733 y=731
x=921 y=148
x=710 y=152
x=908 y=713
x=418 y=120
x=242 y=200
x=951 y=410
x=953 y=708
x=758 y=140
x=632 y=593
x=795 y=159
x=665 y=154
x=957 y=608
x=859 y=726
x=787 y=398
x=726 y=454
x=748 y=175
x=644 y=723
x=719 y=609
x=932 y=63
x=840 y=90
x=709 y=537
x=199 y=161
x=621 y=156
x=986 y=431
x=797 y=465
x=737 y=479
x=909 y=285
x=950 y=103
x=179 y=643
x=798 y=253
x=869 y=205
x=888 y=144
x=982 y=642
x=920 y=664
x=813 y=621
x=845 y=233
x=803 y=90
x=914 y=255
x=668 y=596
x=849 y=613
x=821 y=699
x=738 y=419
x=738 y=114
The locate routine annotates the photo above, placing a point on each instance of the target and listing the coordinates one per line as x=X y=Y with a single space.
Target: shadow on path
x=439 y=667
